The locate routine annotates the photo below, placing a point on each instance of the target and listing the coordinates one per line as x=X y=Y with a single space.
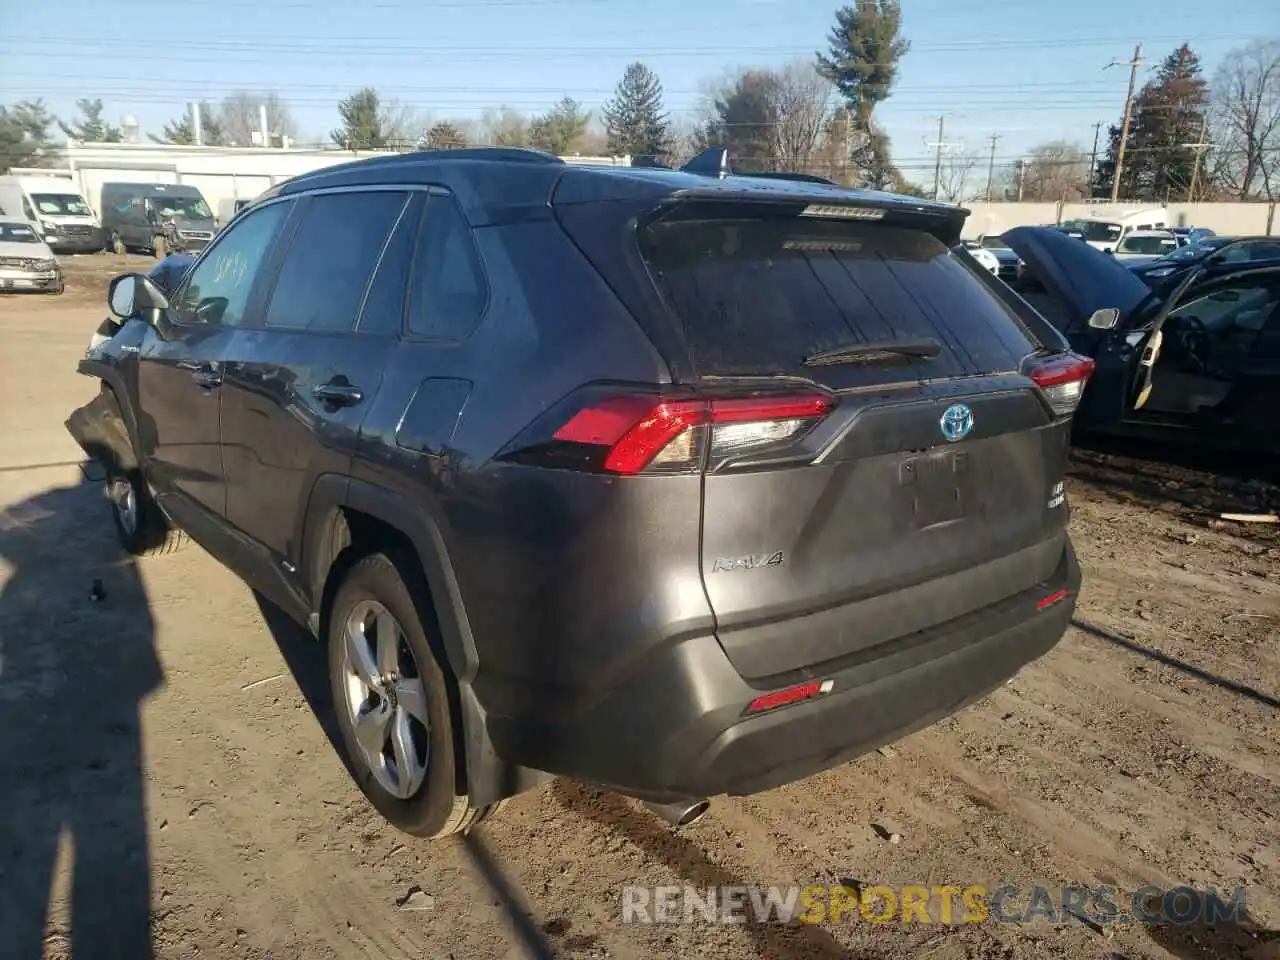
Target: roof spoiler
x=714 y=162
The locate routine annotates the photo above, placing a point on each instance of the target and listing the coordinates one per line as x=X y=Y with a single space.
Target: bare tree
x=240 y=119
x=503 y=127
x=1246 y=121
x=954 y=175
x=403 y=126
x=1056 y=170
x=802 y=102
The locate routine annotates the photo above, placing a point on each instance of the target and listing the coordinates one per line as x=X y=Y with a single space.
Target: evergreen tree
x=182 y=131
x=634 y=118
x=24 y=134
x=444 y=136
x=1167 y=114
x=866 y=45
x=744 y=117
x=362 y=122
x=557 y=130
x=91 y=128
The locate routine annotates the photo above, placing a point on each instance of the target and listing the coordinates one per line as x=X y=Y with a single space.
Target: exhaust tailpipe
x=682 y=813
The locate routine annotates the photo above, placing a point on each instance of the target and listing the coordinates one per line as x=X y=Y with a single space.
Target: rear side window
x=335 y=247
x=756 y=297
x=448 y=293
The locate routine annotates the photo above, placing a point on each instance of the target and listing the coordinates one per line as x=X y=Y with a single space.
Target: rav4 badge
x=750 y=562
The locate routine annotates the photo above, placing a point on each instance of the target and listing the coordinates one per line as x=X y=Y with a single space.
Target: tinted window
x=335 y=247
x=217 y=290
x=383 y=310
x=758 y=296
x=448 y=293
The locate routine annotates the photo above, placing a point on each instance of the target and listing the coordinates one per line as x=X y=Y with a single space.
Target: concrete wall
x=1232 y=219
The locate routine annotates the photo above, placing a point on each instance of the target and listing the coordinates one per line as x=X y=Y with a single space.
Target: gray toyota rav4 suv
x=682 y=485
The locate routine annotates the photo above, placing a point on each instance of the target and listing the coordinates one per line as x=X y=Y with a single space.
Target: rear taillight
x=630 y=434
x=1062 y=380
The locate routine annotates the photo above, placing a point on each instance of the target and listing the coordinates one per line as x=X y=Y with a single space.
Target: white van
x=56 y=206
x=1104 y=232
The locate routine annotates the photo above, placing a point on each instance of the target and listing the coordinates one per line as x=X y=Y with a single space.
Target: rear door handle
x=339 y=393
x=207 y=377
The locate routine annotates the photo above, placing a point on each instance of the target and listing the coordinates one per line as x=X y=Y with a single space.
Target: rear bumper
x=675 y=726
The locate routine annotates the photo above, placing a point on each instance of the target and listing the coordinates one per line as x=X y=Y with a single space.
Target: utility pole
x=1022 y=169
x=1200 y=147
x=1128 y=109
x=1093 y=158
x=937 y=166
x=991 y=166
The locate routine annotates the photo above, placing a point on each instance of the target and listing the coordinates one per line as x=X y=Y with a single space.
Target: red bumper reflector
x=780 y=698
x=1047 y=602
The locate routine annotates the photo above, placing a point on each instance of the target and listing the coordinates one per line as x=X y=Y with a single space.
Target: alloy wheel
x=124 y=501
x=386 y=701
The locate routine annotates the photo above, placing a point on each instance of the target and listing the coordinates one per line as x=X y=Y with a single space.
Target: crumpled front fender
x=100 y=430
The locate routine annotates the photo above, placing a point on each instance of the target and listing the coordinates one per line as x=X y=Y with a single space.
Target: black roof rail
x=714 y=162
x=507 y=154
x=788 y=175
x=502 y=154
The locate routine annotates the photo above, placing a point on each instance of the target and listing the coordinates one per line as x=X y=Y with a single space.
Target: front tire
x=140 y=526
x=391 y=698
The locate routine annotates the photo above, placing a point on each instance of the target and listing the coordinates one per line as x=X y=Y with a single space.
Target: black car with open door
x=1199 y=361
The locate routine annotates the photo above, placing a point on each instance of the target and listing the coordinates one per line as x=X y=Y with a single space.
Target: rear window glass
x=758 y=296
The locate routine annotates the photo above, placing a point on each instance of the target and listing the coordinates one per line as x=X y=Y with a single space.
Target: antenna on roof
x=711 y=162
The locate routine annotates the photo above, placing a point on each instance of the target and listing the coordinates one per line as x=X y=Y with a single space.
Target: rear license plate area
x=936 y=487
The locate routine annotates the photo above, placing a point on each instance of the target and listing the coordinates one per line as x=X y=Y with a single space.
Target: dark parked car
x=1167 y=271
x=1197 y=358
x=678 y=484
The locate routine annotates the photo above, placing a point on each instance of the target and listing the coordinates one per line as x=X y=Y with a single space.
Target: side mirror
x=1104 y=319
x=136 y=295
x=1109 y=252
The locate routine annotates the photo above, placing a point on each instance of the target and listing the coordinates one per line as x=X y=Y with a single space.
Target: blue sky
x=1029 y=70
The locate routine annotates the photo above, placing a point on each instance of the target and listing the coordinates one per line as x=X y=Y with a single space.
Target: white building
x=222 y=174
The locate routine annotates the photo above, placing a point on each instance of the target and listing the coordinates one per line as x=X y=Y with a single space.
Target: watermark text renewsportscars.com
x=947 y=904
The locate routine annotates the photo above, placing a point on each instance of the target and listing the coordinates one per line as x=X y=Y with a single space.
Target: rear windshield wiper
x=924 y=348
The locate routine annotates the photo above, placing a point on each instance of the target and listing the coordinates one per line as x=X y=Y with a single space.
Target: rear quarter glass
x=757 y=296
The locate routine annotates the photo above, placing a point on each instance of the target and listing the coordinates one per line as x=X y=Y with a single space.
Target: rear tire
x=432 y=809
x=140 y=526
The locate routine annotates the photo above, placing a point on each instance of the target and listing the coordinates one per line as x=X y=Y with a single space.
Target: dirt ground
x=167 y=785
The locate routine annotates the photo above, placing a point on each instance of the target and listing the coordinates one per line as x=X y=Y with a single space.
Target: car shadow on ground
x=1186 y=482
x=1133 y=646
x=75 y=667
x=1222 y=940
x=772 y=940
x=305 y=657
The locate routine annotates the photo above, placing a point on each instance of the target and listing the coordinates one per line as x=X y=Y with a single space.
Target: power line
x=399 y=48
x=1044 y=86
